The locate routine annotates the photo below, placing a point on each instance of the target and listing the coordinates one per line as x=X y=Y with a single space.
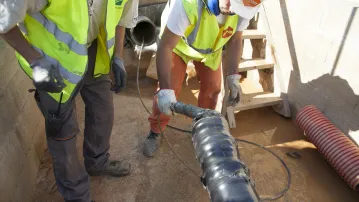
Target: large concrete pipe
x=337 y=148
x=144 y=32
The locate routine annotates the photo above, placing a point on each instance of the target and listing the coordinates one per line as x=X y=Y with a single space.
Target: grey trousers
x=61 y=129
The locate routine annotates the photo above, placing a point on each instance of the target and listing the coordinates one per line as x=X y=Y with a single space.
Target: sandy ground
x=164 y=178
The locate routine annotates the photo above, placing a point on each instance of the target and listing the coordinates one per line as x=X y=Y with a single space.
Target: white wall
x=316 y=46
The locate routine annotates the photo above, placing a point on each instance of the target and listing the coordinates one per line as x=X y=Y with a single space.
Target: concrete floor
x=164 y=178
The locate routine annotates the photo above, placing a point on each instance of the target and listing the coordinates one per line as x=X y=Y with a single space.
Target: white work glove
x=235 y=89
x=46 y=77
x=165 y=98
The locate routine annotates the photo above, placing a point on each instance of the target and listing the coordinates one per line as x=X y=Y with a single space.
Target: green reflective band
x=66 y=74
x=64 y=37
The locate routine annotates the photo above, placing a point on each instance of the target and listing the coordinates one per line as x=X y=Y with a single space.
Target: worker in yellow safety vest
x=68 y=47
x=197 y=30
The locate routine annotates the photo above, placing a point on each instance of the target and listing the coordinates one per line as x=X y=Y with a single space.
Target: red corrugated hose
x=336 y=147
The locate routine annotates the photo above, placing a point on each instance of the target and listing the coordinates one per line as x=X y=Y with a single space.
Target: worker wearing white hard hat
x=197 y=30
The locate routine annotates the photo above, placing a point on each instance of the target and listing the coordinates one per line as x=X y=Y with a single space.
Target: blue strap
x=213 y=6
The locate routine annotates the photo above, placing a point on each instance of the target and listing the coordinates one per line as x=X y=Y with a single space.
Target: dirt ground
x=165 y=178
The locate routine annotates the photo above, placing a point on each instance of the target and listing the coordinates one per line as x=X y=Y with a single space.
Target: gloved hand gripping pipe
x=225 y=177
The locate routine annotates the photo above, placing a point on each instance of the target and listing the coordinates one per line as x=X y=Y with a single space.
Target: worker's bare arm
x=168 y=42
x=16 y=40
x=233 y=53
x=119 y=41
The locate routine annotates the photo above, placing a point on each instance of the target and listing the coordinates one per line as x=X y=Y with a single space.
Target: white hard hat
x=245 y=8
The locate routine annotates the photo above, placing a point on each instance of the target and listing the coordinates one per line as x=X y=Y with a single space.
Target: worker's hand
x=120 y=75
x=165 y=98
x=235 y=89
x=46 y=77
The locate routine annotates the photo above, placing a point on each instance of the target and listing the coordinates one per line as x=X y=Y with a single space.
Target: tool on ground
x=294 y=155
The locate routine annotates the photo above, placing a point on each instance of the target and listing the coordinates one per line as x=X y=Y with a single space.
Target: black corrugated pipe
x=225 y=177
x=145 y=31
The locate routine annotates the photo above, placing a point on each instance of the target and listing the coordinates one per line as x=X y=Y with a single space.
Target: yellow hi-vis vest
x=204 y=39
x=59 y=33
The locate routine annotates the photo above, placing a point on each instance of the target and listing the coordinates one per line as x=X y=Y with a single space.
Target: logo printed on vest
x=227 y=32
x=118 y=2
x=63 y=48
x=251 y=3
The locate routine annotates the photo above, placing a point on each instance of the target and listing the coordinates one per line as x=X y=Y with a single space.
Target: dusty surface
x=164 y=178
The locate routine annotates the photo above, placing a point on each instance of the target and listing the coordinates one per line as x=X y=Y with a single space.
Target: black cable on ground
x=277 y=196
x=285 y=190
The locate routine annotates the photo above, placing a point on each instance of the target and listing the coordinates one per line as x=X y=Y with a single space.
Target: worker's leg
x=61 y=129
x=177 y=76
x=99 y=115
x=210 y=85
x=152 y=141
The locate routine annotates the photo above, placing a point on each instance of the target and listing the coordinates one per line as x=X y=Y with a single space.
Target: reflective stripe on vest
x=66 y=74
x=110 y=43
x=193 y=35
x=66 y=38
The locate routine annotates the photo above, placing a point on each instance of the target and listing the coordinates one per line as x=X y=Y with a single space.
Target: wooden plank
x=253 y=34
x=257 y=100
x=231 y=118
x=152 y=70
x=251 y=64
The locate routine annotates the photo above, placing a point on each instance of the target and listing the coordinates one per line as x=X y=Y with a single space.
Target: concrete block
x=343 y=117
x=19 y=86
x=24 y=191
x=356 y=109
x=302 y=94
x=8 y=65
x=39 y=139
x=9 y=114
x=28 y=122
x=336 y=89
x=8 y=180
x=12 y=155
x=24 y=138
x=11 y=161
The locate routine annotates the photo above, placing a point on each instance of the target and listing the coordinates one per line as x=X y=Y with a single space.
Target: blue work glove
x=46 y=77
x=120 y=75
x=235 y=89
x=166 y=97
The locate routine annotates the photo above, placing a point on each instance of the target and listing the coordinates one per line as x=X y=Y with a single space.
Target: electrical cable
x=277 y=196
x=285 y=190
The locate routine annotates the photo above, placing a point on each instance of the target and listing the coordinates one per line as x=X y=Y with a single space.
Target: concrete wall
x=22 y=139
x=316 y=45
